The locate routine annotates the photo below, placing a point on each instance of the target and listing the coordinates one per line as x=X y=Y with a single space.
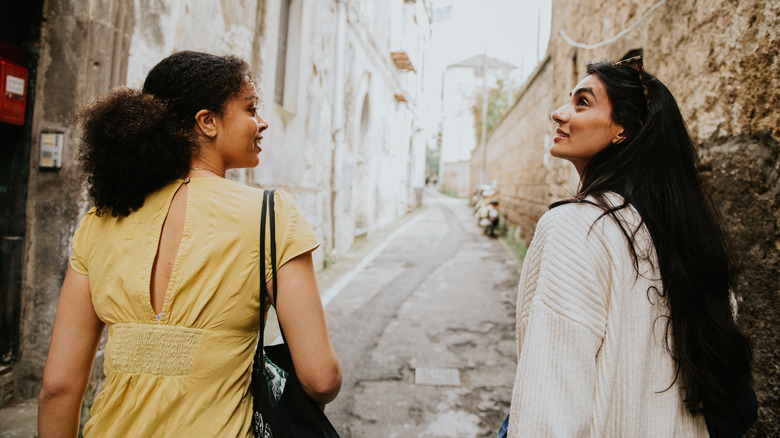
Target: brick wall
x=455 y=178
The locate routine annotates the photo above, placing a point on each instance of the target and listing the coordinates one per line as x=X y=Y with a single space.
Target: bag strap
x=272 y=219
x=268 y=198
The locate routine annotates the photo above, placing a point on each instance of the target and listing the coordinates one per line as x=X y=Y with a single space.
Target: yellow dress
x=185 y=372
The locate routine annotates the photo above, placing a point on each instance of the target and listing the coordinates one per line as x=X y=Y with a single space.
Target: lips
x=560 y=134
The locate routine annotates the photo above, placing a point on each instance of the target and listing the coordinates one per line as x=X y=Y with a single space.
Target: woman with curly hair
x=168 y=260
x=624 y=314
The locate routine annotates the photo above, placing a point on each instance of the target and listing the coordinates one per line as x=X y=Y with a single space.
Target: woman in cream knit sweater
x=624 y=323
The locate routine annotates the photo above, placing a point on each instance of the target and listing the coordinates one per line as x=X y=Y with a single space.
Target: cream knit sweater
x=592 y=360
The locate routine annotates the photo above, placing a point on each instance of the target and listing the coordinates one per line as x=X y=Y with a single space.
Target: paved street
x=431 y=300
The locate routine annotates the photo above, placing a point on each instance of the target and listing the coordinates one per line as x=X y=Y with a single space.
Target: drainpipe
x=483 y=173
x=337 y=114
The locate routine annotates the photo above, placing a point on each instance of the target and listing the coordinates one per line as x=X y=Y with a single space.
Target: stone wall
x=526 y=178
x=720 y=60
x=455 y=178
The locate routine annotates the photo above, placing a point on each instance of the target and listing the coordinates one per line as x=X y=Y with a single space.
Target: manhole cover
x=437 y=376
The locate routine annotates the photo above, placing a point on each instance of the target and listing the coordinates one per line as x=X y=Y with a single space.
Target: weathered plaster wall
x=83 y=53
x=720 y=60
x=90 y=46
x=347 y=148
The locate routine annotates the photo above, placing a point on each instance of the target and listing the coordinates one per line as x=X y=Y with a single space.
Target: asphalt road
x=422 y=318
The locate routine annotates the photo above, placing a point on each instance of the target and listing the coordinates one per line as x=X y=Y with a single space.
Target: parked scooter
x=480 y=191
x=486 y=211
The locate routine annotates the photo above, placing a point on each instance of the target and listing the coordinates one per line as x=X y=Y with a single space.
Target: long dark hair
x=135 y=141
x=655 y=168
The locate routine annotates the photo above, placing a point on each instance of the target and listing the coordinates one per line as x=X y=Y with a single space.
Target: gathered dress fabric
x=592 y=356
x=186 y=371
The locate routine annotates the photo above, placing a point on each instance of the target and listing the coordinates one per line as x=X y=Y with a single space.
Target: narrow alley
x=423 y=322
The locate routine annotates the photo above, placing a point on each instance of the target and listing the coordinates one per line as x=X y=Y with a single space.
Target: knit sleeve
x=562 y=313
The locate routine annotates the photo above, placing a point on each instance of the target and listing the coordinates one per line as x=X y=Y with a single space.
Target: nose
x=560 y=116
x=261 y=124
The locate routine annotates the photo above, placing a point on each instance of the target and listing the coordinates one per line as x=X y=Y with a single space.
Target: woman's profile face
x=584 y=124
x=239 y=129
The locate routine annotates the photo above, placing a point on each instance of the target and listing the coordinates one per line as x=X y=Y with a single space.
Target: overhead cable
x=614 y=38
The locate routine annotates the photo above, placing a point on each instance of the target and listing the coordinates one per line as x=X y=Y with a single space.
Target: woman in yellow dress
x=168 y=261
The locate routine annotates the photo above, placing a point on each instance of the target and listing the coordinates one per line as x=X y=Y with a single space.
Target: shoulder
x=239 y=188
x=569 y=220
x=285 y=203
x=573 y=212
x=586 y=219
x=89 y=218
x=283 y=197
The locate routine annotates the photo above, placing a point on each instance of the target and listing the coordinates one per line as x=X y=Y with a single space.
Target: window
x=289 y=54
x=281 y=51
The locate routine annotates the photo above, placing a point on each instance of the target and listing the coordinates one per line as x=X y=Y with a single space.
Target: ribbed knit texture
x=592 y=360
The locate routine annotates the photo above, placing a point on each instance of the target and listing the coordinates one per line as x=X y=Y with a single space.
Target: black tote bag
x=295 y=415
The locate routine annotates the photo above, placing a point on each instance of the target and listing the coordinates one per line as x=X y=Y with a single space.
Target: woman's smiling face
x=584 y=124
x=240 y=129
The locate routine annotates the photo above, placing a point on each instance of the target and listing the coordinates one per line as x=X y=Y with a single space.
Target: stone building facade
x=339 y=81
x=720 y=60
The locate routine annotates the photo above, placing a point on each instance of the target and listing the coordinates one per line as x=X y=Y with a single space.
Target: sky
x=513 y=31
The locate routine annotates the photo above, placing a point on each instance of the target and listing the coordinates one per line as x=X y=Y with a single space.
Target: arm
x=74 y=343
x=561 y=320
x=301 y=315
x=556 y=377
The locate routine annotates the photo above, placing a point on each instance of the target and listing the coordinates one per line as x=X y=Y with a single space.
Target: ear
x=620 y=136
x=206 y=123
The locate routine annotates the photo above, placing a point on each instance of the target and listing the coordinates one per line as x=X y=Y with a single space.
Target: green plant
x=500 y=100
x=449 y=192
x=330 y=259
x=515 y=243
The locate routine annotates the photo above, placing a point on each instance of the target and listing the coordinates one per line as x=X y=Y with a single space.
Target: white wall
x=349 y=174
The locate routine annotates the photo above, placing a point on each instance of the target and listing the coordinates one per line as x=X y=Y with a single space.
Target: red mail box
x=13 y=92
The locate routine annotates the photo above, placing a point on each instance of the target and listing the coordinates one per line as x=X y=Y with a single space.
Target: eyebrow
x=583 y=91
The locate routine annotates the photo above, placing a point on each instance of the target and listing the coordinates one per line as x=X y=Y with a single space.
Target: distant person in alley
x=625 y=321
x=168 y=260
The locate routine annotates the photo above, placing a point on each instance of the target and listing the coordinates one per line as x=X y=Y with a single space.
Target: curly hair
x=133 y=142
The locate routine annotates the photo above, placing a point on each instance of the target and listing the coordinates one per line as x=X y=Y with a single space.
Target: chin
x=555 y=152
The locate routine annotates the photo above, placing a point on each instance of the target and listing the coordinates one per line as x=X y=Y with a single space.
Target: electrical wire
x=614 y=38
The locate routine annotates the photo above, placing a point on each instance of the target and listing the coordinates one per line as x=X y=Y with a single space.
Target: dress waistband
x=153 y=349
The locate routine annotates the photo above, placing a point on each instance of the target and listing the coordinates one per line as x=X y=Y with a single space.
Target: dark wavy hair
x=134 y=142
x=656 y=169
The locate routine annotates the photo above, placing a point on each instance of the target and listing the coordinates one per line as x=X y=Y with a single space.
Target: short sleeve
x=80 y=247
x=294 y=235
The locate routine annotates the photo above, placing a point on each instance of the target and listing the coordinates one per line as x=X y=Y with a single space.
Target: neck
x=201 y=168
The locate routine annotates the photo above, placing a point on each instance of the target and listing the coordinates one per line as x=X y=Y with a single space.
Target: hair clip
x=635 y=61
